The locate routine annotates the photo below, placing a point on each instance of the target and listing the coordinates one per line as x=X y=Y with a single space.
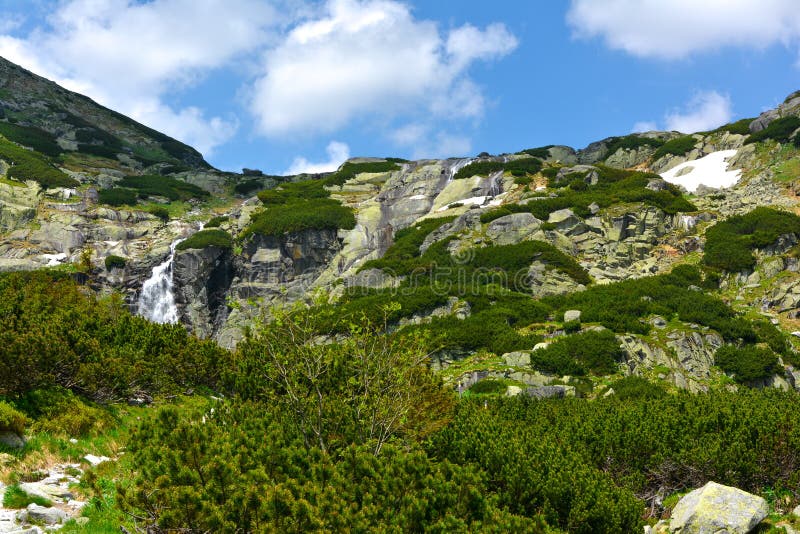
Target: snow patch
x=55 y=259
x=710 y=171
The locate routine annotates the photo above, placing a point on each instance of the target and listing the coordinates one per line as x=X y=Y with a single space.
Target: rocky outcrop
x=715 y=508
x=789 y=107
x=202 y=278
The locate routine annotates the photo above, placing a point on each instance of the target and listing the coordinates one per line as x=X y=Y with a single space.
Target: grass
x=788 y=171
x=30 y=165
x=16 y=498
x=207 y=238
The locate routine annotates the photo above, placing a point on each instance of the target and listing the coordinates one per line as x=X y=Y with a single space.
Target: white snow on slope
x=711 y=171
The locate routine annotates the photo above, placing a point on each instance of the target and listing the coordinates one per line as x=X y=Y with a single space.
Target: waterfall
x=457 y=166
x=497 y=184
x=157 y=302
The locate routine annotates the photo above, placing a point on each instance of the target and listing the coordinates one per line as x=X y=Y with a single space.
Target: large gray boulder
x=42 y=514
x=714 y=509
x=11 y=439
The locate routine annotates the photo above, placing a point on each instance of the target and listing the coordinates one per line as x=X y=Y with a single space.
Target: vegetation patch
x=16 y=498
x=207 y=238
x=298 y=206
x=747 y=364
x=517 y=167
x=115 y=262
x=542 y=152
x=729 y=243
x=401 y=256
x=11 y=419
x=631 y=142
x=118 y=196
x=740 y=127
x=163 y=186
x=614 y=186
x=349 y=170
x=779 y=130
x=677 y=147
x=31 y=137
x=636 y=388
x=216 y=221
x=580 y=354
x=29 y=165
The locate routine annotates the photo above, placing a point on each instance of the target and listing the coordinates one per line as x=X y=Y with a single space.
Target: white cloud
x=705 y=111
x=426 y=143
x=129 y=55
x=337 y=154
x=371 y=57
x=644 y=126
x=672 y=29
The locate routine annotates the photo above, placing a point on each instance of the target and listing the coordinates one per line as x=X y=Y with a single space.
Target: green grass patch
x=16 y=498
x=216 y=221
x=163 y=186
x=740 y=127
x=401 y=256
x=542 y=152
x=517 y=167
x=118 y=196
x=631 y=142
x=788 y=171
x=207 y=238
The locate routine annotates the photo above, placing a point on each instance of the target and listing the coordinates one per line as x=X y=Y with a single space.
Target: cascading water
x=157 y=302
x=457 y=166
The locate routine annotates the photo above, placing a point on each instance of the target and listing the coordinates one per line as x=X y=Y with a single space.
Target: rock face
x=202 y=278
x=714 y=509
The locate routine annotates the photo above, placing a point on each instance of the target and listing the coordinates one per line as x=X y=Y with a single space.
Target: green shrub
x=60 y=412
x=631 y=142
x=115 y=262
x=248 y=186
x=400 y=257
x=98 y=150
x=349 y=170
x=542 y=152
x=118 y=196
x=677 y=147
x=779 y=130
x=614 y=186
x=579 y=354
x=159 y=211
x=207 y=238
x=11 y=419
x=163 y=186
x=298 y=216
x=16 y=498
x=479 y=168
x=488 y=386
x=636 y=388
x=740 y=127
x=216 y=221
x=729 y=242
x=32 y=137
x=747 y=364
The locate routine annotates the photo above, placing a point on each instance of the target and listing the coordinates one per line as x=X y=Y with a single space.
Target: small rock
x=796 y=511
x=96 y=460
x=513 y=391
x=48 y=516
x=609 y=392
x=716 y=508
x=572 y=315
x=142 y=399
x=546 y=392
x=659 y=322
x=517 y=359
x=73 y=441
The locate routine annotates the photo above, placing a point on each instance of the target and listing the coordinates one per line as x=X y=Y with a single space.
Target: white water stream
x=157 y=302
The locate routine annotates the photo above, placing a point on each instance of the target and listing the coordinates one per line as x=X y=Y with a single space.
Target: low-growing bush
x=779 y=130
x=580 y=354
x=542 y=152
x=248 y=186
x=631 y=142
x=159 y=211
x=349 y=170
x=677 y=147
x=740 y=127
x=636 y=388
x=747 y=364
x=207 y=238
x=118 y=196
x=729 y=243
x=163 y=186
x=216 y=221
x=479 y=168
x=12 y=419
x=28 y=165
x=321 y=214
x=114 y=262
x=32 y=137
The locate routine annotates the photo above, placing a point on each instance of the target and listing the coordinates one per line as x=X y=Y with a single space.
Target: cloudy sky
x=300 y=85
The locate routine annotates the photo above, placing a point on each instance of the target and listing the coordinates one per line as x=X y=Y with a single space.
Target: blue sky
x=295 y=85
